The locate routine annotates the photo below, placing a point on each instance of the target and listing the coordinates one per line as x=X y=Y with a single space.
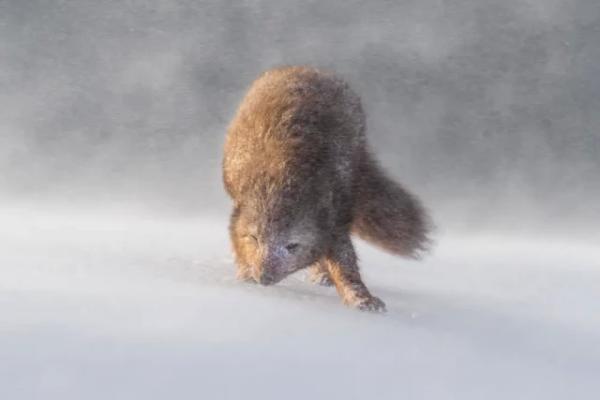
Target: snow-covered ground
x=123 y=306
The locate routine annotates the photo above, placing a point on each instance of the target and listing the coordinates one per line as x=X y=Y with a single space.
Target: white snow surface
x=131 y=306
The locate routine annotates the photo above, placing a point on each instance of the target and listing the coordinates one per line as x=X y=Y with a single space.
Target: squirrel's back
x=294 y=125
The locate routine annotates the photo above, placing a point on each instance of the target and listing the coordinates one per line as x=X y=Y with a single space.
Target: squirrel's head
x=274 y=245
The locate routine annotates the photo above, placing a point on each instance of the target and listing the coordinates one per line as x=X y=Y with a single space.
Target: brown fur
x=297 y=167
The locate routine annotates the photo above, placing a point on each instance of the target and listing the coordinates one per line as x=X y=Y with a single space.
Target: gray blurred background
x=486 y=109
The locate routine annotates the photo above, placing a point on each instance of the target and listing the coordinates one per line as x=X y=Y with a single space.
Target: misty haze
x=116 y=273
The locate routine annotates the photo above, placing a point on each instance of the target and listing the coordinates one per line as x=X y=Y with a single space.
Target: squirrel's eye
x=251 y=238
x=292 y=247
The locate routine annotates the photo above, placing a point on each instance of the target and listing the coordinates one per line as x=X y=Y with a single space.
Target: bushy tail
x=387 y=215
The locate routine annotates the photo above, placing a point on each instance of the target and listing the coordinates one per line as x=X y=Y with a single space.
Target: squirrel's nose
x=266 y=279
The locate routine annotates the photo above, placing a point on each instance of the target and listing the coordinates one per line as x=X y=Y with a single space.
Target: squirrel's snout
x=276 y=265
x=266 y=279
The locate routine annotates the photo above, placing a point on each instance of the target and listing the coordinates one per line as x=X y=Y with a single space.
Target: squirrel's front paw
x=372 y=304
x=320 y=278
x=244 y=275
